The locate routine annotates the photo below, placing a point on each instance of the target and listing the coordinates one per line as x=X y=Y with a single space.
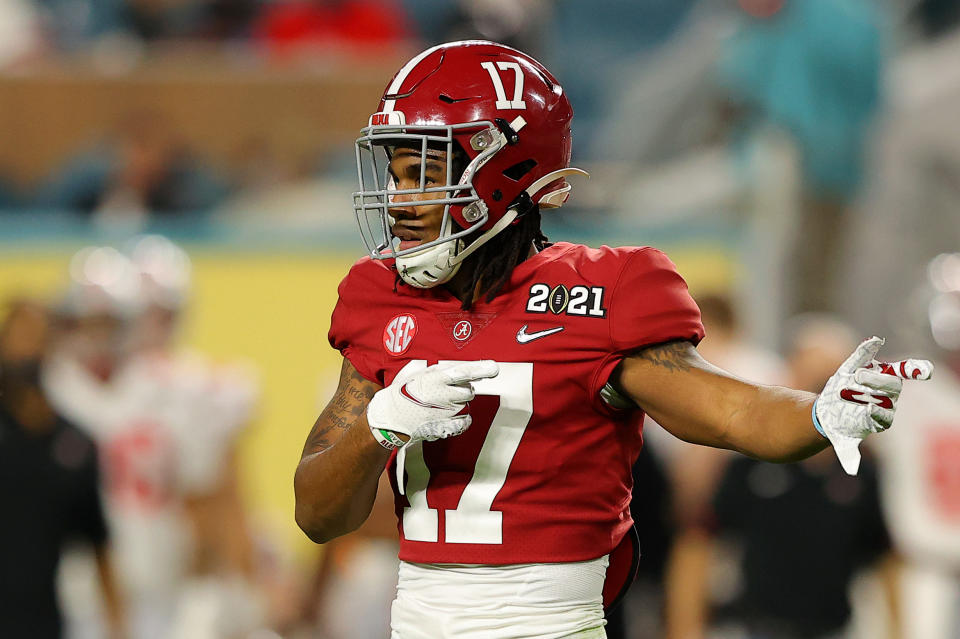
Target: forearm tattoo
x=349 y=402
x=674 y=356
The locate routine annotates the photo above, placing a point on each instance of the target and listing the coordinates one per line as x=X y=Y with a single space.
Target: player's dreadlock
x=490 y=267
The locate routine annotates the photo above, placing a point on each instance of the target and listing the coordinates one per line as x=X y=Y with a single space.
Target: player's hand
x=861 y=399
x=425 y=404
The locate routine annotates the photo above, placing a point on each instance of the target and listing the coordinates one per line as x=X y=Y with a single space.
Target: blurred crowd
x=772 y=120
x=820 y=135
x=58 y=28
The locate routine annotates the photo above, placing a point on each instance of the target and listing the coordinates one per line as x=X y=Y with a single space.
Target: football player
x=921 y=468
x=94 y=380
x=503 y=379
x=211 y=405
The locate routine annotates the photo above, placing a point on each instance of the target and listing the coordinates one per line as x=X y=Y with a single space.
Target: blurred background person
x=355 y=578
x=213 y=404
x=49 y=488
x=814 y=70
x=168 y=423
x=93 y=378
x=21 y=32
x=298 y=28
x=909 y=206
x=640 y=612
x=747 y=120
x=793 y=579
x=516 y=24
x=920 y=459
x=141 y=168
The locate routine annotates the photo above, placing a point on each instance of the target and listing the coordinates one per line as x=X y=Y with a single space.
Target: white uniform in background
x=130 y=418
x=165 y=428
x=921 y=497
x=211 y=406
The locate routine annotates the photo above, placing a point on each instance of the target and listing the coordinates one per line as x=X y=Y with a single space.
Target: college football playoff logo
x=577 y=300
x=559 y=297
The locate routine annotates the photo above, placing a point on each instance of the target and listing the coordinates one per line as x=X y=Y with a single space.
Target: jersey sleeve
x=348 y=328
x=649 y=304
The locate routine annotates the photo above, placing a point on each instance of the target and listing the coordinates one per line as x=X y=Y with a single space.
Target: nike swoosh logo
x=523 y=336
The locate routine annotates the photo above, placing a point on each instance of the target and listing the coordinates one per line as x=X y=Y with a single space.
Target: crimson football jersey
x=543 y=473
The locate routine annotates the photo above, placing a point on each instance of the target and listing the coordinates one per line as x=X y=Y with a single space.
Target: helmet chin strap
x=511 y=214
x=431 y=267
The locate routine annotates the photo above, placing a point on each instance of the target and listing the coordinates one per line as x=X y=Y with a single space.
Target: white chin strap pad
x=430 y=267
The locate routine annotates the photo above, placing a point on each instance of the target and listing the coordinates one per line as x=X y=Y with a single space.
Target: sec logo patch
x=398 y=333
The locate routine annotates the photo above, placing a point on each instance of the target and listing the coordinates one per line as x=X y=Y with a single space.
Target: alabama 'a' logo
x=463 y=330
x=398 y=333
x=462 y=326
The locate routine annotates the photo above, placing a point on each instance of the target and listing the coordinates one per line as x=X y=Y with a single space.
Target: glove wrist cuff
x=816 y=422
x=387 y=439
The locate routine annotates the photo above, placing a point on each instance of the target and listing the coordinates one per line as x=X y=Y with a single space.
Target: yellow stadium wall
x=273 y=310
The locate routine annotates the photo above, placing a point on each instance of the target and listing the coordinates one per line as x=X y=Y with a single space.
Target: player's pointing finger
x=470 y=371
x=909 y=369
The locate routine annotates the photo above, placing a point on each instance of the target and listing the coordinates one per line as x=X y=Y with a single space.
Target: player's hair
x=490 y=267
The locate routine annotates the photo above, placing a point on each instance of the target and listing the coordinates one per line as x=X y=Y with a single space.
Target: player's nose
x=403 y=204
x=403 y=212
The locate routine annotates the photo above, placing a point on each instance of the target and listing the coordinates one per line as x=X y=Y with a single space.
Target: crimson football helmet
x=497 y=109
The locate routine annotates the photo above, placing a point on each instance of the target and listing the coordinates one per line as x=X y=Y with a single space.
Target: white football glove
x=861 y=399
x=424 y=404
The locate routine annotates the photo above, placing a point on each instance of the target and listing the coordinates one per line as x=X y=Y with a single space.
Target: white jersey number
x=502 y=101
x=473 y=522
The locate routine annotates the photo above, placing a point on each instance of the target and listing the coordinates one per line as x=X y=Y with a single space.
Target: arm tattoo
x=349 y=402
x=673 y=355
